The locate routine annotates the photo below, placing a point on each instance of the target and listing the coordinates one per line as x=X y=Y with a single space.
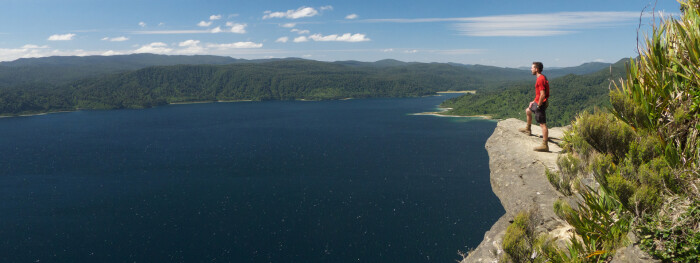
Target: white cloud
x=111 y=53
x=300 y=39
x=216 y=30
x=347 y=37
x=214 y=17
x=289 y=25
x=170 y=32
x=142 y=24
x=190 y=47
x=116 y=39
x=301 y=32
x=351 y=16
x=292 y=14
x=388 y=50
x=457 y=51
x=235 y=45
x=282 y=40
x=155 y=47
x=34 y=51
x=328 y=7
x=189 y=43
x=30 y=46
x=412 y=51
x=64 y=37
x=204 y=23
x=237 y=28
x=532 y=25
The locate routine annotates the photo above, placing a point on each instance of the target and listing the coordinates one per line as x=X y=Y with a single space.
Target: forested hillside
x=146 y=80
x=54 y=71
x=569 y=95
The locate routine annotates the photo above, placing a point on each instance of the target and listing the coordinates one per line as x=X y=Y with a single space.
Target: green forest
x=145 y=80
x=569 y=95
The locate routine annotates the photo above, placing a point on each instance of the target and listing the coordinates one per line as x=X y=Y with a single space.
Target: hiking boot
x=542 y=148
x=525 y=131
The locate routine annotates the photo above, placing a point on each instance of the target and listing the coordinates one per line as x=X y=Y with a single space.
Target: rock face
x=518 y=179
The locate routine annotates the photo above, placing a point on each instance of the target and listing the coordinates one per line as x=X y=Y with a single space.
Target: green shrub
x=628 y=170
x=601 y=165
x=645 y=199
x=518 y=239
x=673 y=238
x=626 y=109
x=649 y=176
x=664 y=170
x=569 y=164
x=561 y=208
x=622 y=188
x=574 y=143
x=605 y=133
x=600 y=223
x=649 y=149
x=645 y=148
x=557 y=180
x=658 y=173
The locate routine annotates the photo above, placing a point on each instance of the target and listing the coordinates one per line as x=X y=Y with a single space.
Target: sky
x=502 y=33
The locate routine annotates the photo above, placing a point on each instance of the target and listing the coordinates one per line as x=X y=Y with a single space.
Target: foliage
x=570 y=94
x=560 y=181
x=604 y=133
x=518 y=241
x=129 y=81
x=600 y=222
x=51 y=71
x=673 y=238
x=662 y=91
x=644 y=152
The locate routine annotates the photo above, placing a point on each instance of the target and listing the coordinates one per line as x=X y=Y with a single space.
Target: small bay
x=278 y=181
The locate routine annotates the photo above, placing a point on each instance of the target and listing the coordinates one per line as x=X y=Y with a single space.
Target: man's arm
x=539 y=103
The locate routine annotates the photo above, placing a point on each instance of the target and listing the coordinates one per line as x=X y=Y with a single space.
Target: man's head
x=537 y=67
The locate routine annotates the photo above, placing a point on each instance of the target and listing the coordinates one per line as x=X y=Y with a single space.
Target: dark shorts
x=540 y=112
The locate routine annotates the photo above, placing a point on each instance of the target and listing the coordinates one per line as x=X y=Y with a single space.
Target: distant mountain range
x=61 y=69
x=144 y=80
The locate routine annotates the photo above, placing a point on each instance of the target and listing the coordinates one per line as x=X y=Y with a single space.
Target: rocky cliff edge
x=518 y=179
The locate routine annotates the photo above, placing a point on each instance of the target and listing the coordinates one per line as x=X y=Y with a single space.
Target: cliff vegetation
x=644 y=156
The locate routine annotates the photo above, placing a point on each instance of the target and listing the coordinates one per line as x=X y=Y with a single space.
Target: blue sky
x=499 y=33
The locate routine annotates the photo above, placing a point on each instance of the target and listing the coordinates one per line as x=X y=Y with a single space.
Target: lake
x=281 y=181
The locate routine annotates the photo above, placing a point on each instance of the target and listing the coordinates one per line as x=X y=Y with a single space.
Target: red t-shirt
x=541 y=84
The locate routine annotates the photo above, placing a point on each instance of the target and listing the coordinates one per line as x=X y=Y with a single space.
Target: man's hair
x=538 y=66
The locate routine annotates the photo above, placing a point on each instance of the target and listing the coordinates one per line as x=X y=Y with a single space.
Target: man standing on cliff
x=539 y=106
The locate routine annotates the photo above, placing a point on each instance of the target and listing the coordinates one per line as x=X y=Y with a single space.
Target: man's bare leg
x=527 y=130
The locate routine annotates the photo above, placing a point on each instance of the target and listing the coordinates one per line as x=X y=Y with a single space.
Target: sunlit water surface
x=285 y=181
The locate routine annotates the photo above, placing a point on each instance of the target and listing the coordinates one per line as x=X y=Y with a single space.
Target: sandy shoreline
x=172 y=103
x=457 y=91
x=207 y=101
x=439 y=114
x=34 y=114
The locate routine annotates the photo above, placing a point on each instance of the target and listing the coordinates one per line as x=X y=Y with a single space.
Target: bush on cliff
x=644 y=153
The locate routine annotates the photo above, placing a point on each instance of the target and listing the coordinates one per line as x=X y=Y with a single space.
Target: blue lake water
x=284 y=181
